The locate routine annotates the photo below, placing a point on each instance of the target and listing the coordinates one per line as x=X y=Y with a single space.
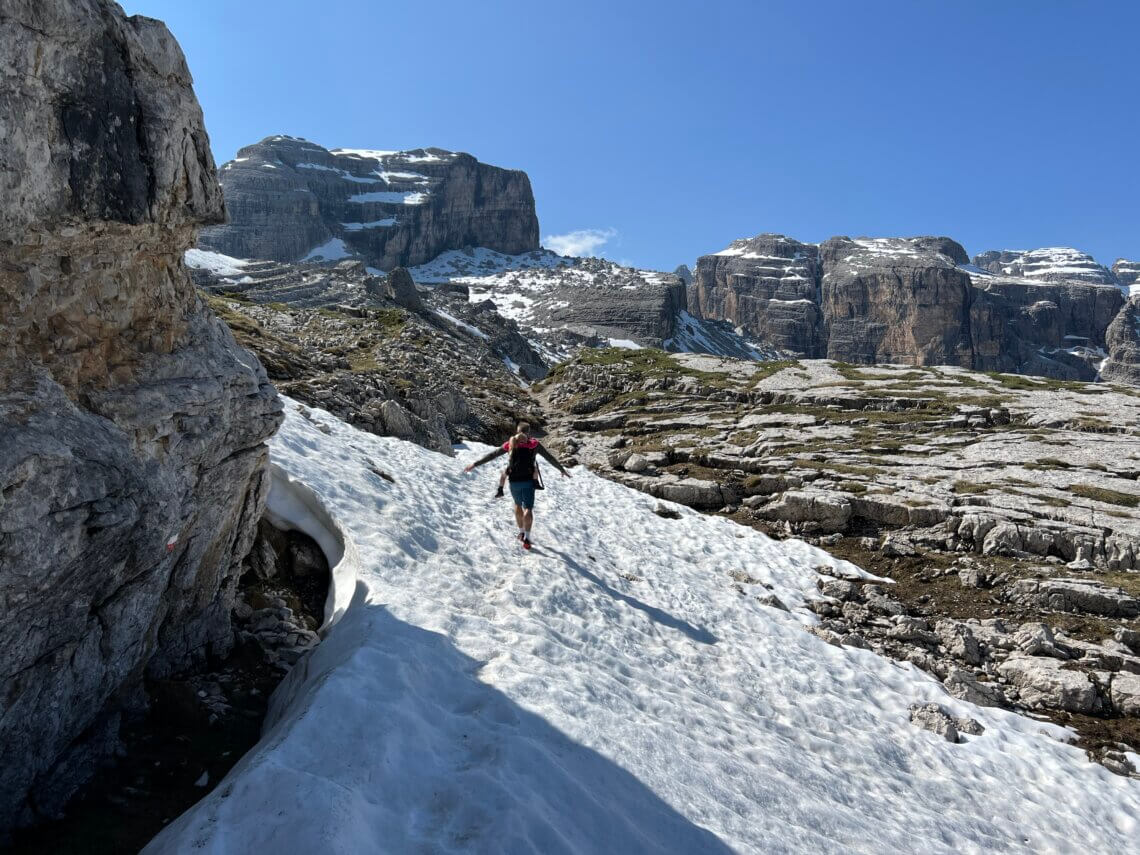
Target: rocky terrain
x=448 y=358
x=425 y=366
x=289 y=199
x=562 y=303
x=919 y=301
x=1004 y=510
x=132 y=427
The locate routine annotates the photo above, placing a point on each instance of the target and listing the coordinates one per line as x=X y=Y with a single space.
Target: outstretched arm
x=553 y=460
x=486 y=458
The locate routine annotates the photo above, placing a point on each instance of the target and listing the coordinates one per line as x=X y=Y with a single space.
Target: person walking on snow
x=520 y=473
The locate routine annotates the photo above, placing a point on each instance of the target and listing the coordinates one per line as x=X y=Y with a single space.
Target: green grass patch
x=972 y=488
x=841 y=468
x=1102 y=494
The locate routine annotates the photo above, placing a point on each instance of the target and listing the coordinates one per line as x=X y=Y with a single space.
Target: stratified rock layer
x=768 y=285
x=1127 y=273
x=1123 y=344
x=915 y=301
x=131 y=425
x=289 y=199
x=894 y=300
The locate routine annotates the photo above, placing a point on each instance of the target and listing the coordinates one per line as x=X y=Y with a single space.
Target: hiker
x=521 y=471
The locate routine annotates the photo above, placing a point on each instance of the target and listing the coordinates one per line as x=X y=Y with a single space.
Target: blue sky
x=668 y=129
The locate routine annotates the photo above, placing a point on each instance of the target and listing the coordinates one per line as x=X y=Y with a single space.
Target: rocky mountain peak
x=1127 y=273
x=1048 y=264
x=290 y=199
x=903 y=252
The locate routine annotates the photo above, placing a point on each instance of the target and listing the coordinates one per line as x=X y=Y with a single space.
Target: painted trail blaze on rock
x=129 y=412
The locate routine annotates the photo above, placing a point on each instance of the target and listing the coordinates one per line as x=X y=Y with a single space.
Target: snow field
x=215 y=262
x=617 y=689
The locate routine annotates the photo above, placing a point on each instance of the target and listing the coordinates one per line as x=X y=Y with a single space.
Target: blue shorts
x=523 y=494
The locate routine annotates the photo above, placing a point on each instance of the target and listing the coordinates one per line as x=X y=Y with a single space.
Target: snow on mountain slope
x=618 y=689
x=1048 y=264
x=561 y=302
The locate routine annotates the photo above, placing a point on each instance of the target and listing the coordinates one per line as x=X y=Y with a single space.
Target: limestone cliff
x=768 y=285
x=1123 y=345
x=916 y=301
x=290 y=199
x=894 y=300
x=132 y=427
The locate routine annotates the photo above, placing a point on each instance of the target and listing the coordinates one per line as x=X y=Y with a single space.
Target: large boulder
x=1046 y=684
x=132 y=427
x=290 y=199
x=400 y=288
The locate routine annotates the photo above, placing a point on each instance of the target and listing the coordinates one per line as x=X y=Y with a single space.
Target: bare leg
x=527 y=519
x=520 y=517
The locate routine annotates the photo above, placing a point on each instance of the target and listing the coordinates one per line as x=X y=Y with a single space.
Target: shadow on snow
x=384 y=739
x=696 y=633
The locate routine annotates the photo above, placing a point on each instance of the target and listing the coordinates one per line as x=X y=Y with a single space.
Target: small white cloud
x=580 y=242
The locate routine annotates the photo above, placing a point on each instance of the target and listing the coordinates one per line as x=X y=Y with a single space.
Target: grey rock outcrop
x=917 y=301
x=1043 y=327
x=769 y=286
x=934 y=718
x=1076 y=595
x=132 y=427
x=289 y=199
x=1122 y=341
x=402 y=290
x=895 y=300
x=1127 y=272
x=1045 y=683
x=1049 y=264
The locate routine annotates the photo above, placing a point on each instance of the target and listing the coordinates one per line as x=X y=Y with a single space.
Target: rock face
x=132 y=427
x=1030 y=327
x=1123 y=344
x=1050 y=264
x=894 y=300
x=289 y=199
x=768 y=285
x=916 y=301
x=1127 y=273
x=562 y=302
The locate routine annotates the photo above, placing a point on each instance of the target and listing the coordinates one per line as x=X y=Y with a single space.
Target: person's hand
x=469 y=467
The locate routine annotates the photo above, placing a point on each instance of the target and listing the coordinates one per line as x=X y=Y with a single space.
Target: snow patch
x=215 y=262
x=331 y=250
x=391 y=197
x=375 y=224
x=611 y=691
x=461 y=324
x=628 y=344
